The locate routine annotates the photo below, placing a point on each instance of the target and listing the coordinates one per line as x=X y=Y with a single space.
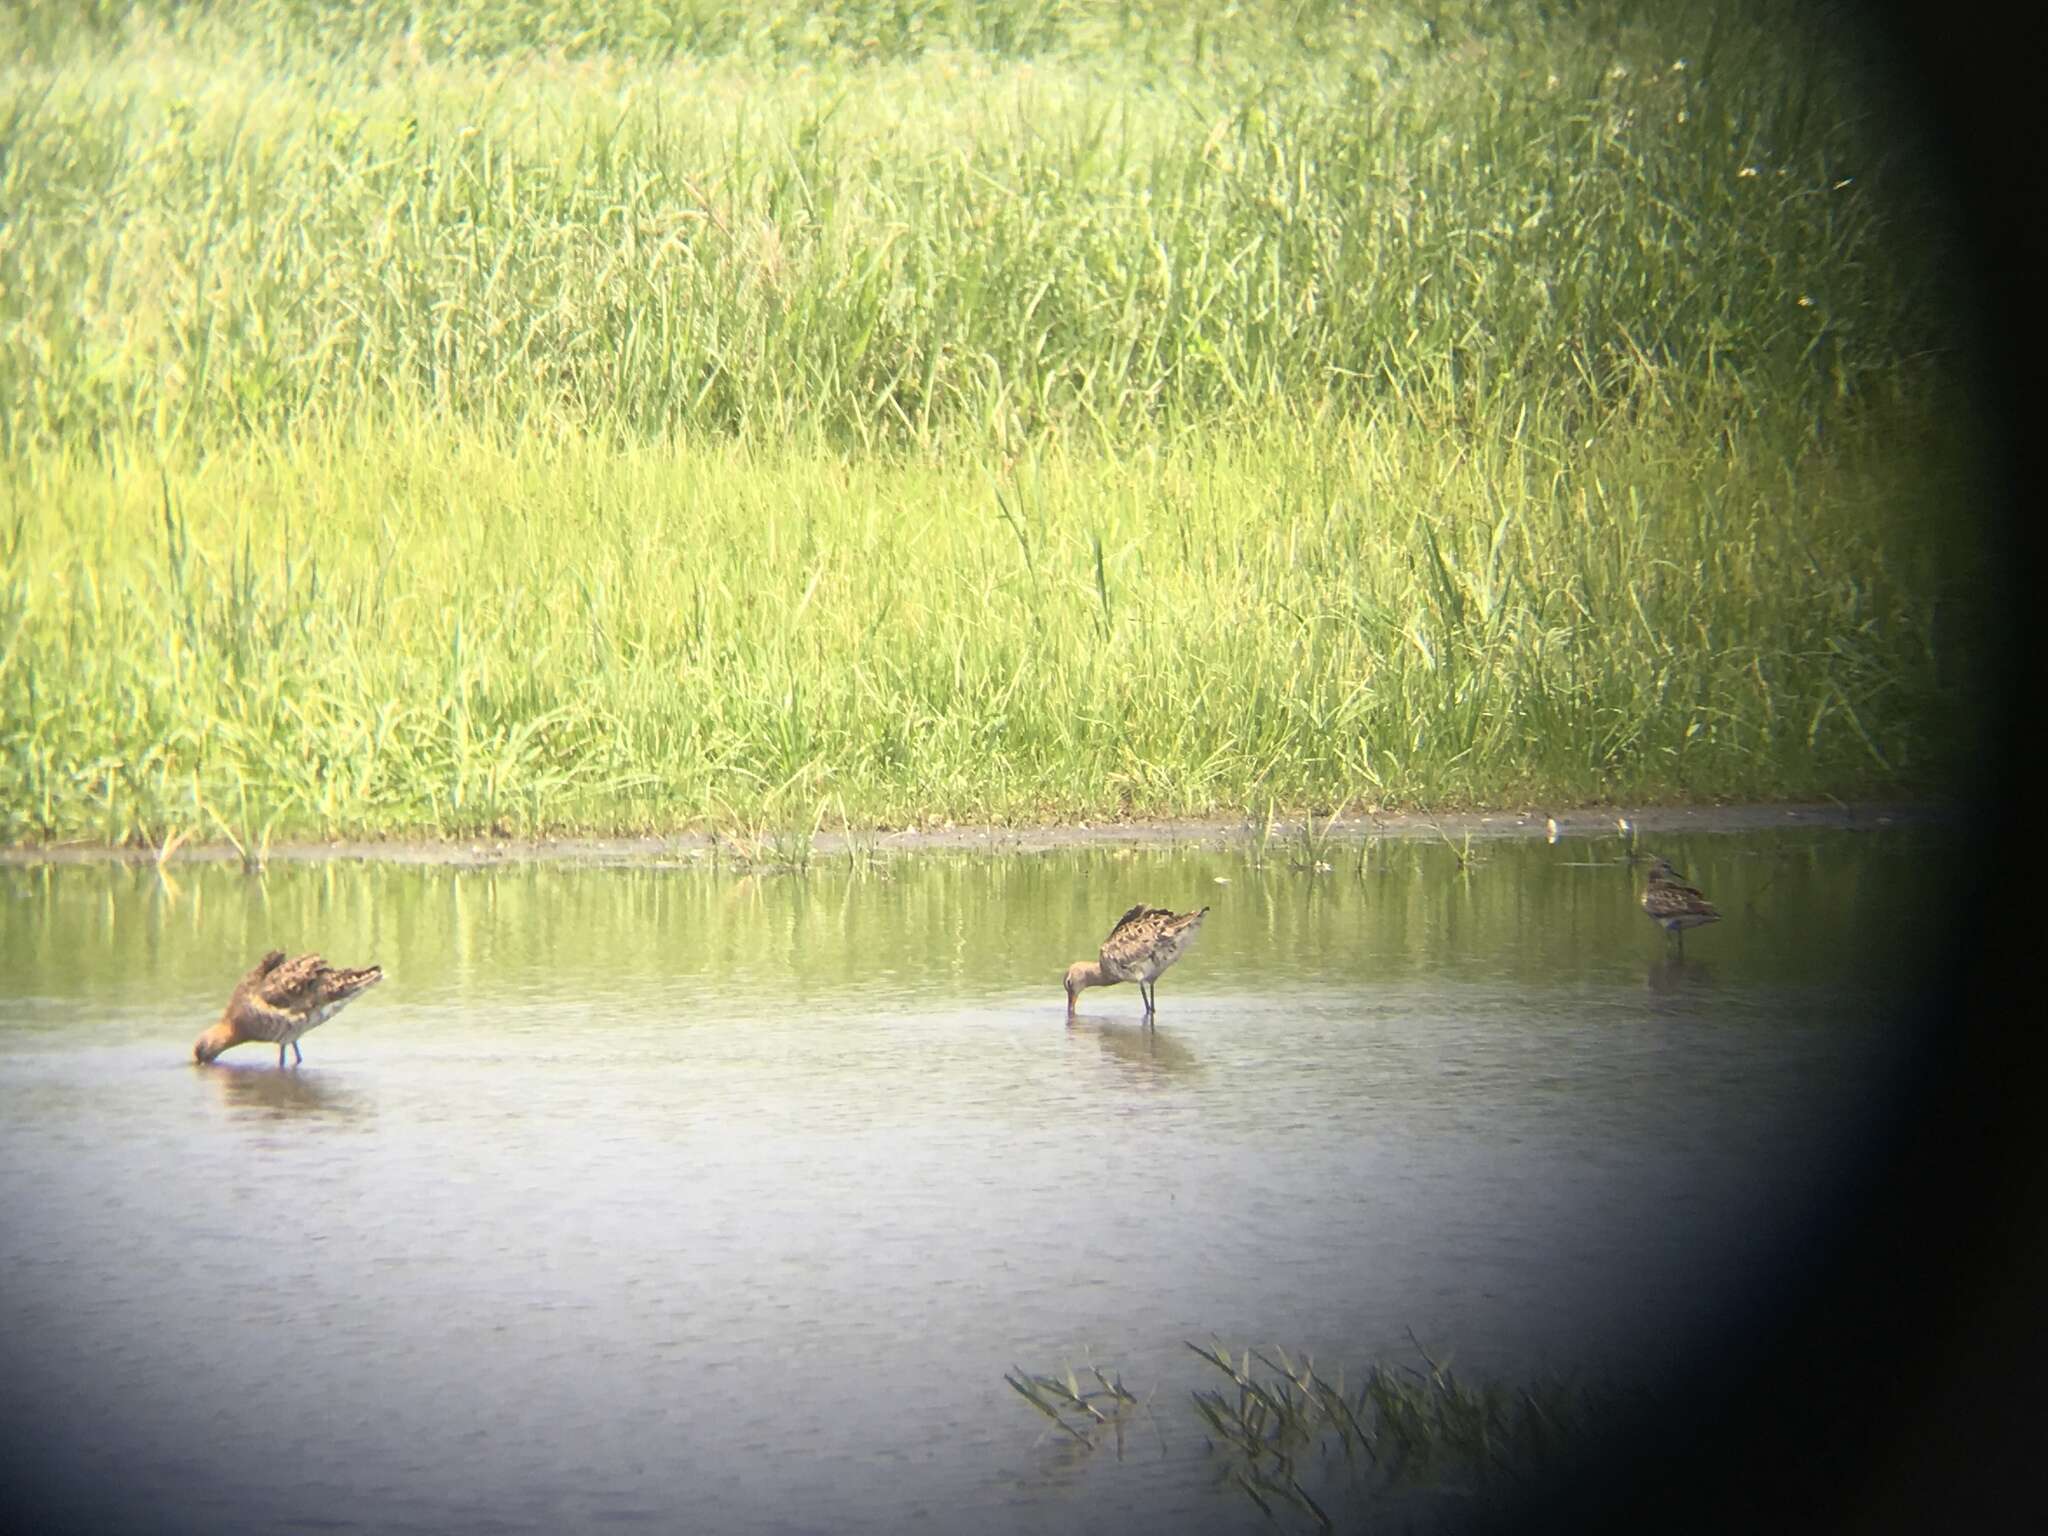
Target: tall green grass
x=442 y=632
x=444 y=416
x=216 y=229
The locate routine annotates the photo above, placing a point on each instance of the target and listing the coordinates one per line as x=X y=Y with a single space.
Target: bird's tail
x=346 y=984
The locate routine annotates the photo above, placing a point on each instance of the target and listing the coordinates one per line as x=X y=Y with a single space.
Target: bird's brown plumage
x=1672 y=903
x=1142 y=944
x=280 y=1000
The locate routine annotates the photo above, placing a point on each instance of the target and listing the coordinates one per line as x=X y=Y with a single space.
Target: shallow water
x=675 y=1198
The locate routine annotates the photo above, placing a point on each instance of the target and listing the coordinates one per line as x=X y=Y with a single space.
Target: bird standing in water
x=1144 y=942
x=1673 y=904
x=279 y=1001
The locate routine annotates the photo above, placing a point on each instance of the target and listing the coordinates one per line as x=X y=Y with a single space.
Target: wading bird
x=1674 y=904
x=279 y=1001
x=1144 y=942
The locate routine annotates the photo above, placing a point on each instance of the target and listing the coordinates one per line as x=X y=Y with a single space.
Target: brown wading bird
x=1673 y=903
x=279 y=1001
x=1144 y=942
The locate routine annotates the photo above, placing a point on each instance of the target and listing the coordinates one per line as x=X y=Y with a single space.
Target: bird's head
x=212 y=1043
x=1080 y=975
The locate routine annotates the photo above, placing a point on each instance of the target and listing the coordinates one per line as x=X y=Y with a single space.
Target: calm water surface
x=669 y=1198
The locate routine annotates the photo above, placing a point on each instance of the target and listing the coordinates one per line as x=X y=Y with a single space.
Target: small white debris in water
x=1550 y=827
x=1222 y=879
x=1321 y=867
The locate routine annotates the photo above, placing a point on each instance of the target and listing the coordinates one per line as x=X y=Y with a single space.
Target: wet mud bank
x=946 y=837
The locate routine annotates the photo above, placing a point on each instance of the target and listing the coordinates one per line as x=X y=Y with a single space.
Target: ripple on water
x=635 y=1196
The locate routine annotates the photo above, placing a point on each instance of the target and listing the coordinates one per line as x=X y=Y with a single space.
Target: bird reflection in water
x=1139 y=1049
x=1671 y=973
x=264 y=1091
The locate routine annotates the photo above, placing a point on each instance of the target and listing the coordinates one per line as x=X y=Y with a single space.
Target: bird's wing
x=251 y=1007
x=1131 y=940
x=294 y=983
x=257 y=972
x=277 y=994
x=1144 y=933
x=1670 y=899
x=281 y=996
x=1137 y=914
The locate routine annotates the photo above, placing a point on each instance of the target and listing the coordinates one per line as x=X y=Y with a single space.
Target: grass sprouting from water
x=447 y=418
x=1077 y=1410
x=1308 y=1449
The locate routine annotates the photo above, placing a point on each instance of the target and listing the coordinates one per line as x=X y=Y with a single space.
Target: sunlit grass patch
x=1096 y=220
x=445 y=419
x=440 y=632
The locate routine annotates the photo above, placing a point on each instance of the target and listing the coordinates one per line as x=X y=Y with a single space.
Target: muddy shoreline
x=1207 y=833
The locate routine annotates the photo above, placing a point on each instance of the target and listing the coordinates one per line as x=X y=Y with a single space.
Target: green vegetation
x=1285 y=1433
x=435 y=417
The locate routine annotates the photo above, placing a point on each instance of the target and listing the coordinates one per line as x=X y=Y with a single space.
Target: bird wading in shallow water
x=279 y=1001
x=1673 y=904
x=1144 y=942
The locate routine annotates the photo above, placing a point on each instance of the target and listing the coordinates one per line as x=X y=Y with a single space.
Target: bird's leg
x=1145 y=991
x=297 y=1054
x=280 y=1055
